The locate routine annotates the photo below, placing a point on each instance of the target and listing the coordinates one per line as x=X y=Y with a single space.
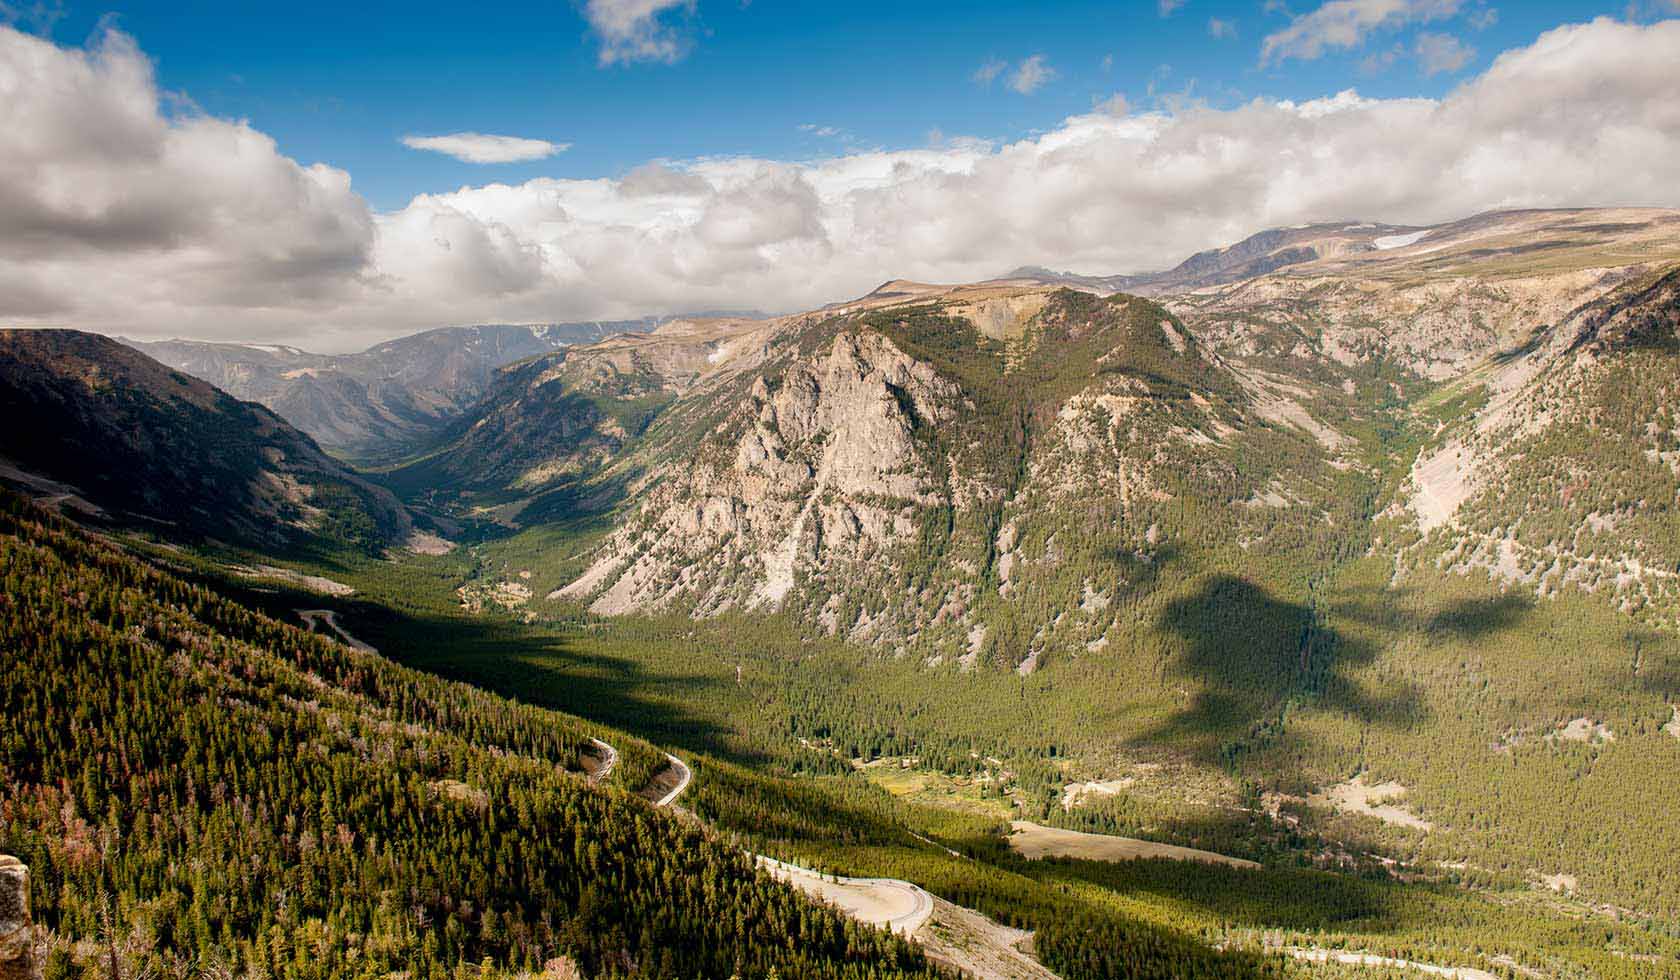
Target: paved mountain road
x=957 y=938
x=314 y=619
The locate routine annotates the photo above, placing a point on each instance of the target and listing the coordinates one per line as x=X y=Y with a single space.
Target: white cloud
x=989 y=70
x=1168 y=7
x=1221 y=29
x=1442 y=54
x=1115 y=105
x=109 y=206
x=1031 y=75
x=485 y=148
x=631 y=30
x=38 y=15
x=1346 y=23
x=121 y=219
x=1378 y=62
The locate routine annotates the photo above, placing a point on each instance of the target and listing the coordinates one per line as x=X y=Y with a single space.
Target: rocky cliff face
x=17 y=932
x=818 y=468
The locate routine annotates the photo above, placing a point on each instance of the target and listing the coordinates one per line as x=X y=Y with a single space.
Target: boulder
x=17 y=933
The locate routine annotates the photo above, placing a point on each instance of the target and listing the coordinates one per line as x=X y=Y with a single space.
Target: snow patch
x=1387 y=242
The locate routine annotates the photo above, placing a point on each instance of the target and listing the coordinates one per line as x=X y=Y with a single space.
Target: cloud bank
x=120 y=216
x=485 y=148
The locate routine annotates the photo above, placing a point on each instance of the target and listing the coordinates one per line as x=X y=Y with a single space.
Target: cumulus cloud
x=486 y=148
x=631 y=30
x=106 y=203
x=120 y=218
x=1346 y=23
x=1031 y=75
x=1442 y=54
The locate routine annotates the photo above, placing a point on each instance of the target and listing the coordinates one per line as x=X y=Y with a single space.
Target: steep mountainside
x=1564 y=470
x=382 y=401
x=1543 y=341
x=546 y=426
x=200 y=789
x=948 y=471
x=106 y=429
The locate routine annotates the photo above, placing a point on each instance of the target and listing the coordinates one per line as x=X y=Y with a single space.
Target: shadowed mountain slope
x=101 y=426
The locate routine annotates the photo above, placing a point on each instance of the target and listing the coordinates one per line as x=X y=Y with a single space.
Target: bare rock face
x=818 y=466
x=17 y=933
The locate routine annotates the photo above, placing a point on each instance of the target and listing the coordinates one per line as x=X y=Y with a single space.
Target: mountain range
x=380 y=402
x=941 y=466
x=1350 y=550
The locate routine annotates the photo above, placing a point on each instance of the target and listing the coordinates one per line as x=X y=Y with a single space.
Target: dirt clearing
x=1033 y=841
x=1074 y=794
x=1356 y=796
x=967 y=941
x=1368 y=959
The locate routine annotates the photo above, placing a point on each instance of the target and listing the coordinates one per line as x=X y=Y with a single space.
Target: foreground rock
x=17 y=934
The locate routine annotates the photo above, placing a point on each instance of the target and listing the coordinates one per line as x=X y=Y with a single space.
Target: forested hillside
x=199 y=788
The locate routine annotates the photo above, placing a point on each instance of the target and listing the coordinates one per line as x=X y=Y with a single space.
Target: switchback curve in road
x=985 y=950
x=609 y=759
x=899 y=905
x=313 y=619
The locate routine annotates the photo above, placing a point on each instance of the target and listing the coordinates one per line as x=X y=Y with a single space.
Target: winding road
x=961 y=938
x=898 y=905
x=609 y=758
x=314 y=618
x=684 y=776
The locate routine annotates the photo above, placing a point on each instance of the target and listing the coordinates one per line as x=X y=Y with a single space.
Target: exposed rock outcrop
x=17 y=931
x=819 y=464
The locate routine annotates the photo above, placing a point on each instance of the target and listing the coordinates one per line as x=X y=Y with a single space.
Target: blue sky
x=344 y=82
